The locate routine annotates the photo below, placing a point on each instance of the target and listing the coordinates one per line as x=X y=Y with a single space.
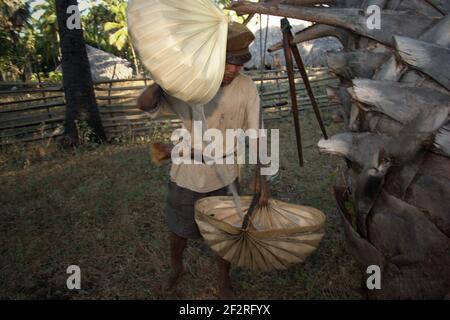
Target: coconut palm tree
x=395 y=90
x=46 y=28
x=119 y=36
x=14 y=36
x=77 y=78
x=94 y=19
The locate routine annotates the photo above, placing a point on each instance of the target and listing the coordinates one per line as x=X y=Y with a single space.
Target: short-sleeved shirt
x=235 y=106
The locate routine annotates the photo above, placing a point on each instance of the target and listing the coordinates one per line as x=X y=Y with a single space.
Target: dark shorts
x=180 y=211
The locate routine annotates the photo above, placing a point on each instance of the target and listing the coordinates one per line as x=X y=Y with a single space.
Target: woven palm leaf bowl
x=278 y=236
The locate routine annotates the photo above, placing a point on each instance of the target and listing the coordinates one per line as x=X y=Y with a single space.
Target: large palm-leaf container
x=395 y=82
x=182 y=44
x=278 y=235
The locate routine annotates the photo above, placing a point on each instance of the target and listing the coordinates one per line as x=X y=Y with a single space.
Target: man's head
x=238 y=53
x=231 y=72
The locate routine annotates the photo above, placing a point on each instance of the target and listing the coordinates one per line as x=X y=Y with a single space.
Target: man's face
x=231 y=72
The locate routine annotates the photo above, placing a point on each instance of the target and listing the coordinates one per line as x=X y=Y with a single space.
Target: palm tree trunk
x=77 y=79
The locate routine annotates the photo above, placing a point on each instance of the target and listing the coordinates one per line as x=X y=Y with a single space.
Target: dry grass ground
x=102 y=209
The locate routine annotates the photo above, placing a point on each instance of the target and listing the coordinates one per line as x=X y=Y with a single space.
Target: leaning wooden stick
x=290 y=70
x=301 y=67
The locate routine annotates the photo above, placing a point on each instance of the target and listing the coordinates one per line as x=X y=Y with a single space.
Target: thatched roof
x=106 y=66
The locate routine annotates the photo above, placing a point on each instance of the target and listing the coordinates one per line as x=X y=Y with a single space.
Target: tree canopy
x=29 y=27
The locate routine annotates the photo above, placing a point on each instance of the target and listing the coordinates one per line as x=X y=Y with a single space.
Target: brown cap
x=239 y=39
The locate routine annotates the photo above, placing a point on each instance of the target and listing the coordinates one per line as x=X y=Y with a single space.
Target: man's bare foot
x=225 y=292
x=173 y=279
x=171 y=282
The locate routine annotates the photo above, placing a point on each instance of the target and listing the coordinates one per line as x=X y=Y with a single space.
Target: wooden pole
x=286 y=28
x=43 y=93
x=301 y=67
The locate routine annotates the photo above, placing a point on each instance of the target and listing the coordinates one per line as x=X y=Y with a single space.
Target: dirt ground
x=102 y=208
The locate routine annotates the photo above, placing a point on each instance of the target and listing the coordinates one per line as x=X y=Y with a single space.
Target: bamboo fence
x=35 y=112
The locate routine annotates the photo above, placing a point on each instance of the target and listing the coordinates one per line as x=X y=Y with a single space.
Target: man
x=235 y=106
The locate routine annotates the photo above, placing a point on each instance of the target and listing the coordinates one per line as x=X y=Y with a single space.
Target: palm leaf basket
x=277 y=236
x=182 y=44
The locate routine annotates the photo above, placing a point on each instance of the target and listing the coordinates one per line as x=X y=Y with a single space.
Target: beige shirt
x=235 y=106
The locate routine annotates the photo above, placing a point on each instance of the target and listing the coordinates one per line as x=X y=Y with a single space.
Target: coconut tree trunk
x=77 y=79
x=395 y=199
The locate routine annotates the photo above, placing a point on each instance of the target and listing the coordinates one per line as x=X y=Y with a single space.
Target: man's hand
x=149 y=98
x=161 y=153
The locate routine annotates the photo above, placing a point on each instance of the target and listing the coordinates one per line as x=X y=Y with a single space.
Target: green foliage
x=120 y=37
x=13 y=14
x=51 y=76
x=231 y=14
x=14 y=38
x=93 y=21
x=118 y=30
x=222 y=3
x=29 y=39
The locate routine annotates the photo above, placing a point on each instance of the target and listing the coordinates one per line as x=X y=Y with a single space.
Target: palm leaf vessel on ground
x=278 y=235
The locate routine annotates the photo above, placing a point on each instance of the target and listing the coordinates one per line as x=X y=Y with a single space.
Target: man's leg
x=225 y=291
x=177 y=246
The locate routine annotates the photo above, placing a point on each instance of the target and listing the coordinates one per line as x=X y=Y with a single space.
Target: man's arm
x=150 y=98
x=155 y=102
